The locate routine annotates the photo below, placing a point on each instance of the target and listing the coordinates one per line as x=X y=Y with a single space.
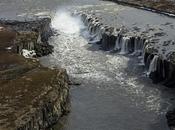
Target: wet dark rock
x=160 y=34
x=147 y=60
x=74 y=83
x=136 y=28
x=164 y=73
x=43 y=49
x=108 y=42
x=171 y=119
x=158 y=75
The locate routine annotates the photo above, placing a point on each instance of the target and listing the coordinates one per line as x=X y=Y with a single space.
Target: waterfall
x=153 y=65
x=144 y=43
x=138 y=47
x=136 y=44
x=117 y=44
x=124 y=45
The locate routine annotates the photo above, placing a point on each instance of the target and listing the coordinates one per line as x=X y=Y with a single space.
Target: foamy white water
x=153 y=65
x=65 y=23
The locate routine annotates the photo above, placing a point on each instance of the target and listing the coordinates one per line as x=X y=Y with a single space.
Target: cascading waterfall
x=144 y=43
x=96 y=32
x=138 y=46
x=124 y=45
x=153 y=65
x=117 y=43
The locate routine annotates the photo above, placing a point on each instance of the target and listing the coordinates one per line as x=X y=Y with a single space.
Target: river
x=114 y=92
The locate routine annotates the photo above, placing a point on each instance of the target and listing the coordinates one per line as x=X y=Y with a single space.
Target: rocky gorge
x=32 y=96
x=108 y=49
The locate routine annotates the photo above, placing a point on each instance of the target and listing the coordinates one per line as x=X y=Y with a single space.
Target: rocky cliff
x=32 y=96
x=30 y=35
x=158 y=60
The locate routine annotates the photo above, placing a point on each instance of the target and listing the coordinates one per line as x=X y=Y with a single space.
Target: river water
x=114 y=93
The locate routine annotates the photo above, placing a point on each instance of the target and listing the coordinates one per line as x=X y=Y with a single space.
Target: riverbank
x=32 y=96
x=165 y=7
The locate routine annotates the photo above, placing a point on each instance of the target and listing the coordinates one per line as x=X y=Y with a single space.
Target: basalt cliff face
x=30 y=35
x=32 y=96
x=158 y=61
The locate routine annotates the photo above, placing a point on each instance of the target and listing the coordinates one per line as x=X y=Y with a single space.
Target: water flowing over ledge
x=160 y=67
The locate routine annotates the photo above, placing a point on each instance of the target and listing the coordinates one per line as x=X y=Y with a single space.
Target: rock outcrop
x=31 y=35
x=171 y=119
x=32 y=96
x=7 y=38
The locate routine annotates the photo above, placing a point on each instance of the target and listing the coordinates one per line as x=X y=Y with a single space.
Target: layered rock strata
x=32 y=96
x=30 y=35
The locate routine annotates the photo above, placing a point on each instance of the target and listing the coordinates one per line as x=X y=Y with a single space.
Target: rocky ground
x=32 y=96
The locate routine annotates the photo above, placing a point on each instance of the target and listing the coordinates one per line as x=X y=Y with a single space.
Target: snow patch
x=28 y=54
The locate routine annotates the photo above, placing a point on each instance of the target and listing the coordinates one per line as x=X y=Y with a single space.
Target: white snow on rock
x=28 y=54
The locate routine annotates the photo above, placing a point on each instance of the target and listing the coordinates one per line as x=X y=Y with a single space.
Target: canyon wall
x=160 y=67
x=32 y=96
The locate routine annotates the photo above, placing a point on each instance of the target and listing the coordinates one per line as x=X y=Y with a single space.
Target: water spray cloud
x=66 y=23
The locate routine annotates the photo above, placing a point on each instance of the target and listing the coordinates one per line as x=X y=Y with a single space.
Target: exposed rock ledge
x=32 y=96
